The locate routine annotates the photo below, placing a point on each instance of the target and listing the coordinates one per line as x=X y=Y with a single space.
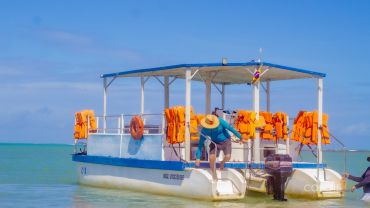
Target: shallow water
x=45 y=176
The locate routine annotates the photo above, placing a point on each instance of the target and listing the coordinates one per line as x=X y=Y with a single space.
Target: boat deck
x=174 y=165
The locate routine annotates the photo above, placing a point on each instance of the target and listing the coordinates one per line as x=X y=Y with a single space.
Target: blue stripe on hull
x=239 y=165
x=133 y=163
x=172 y=165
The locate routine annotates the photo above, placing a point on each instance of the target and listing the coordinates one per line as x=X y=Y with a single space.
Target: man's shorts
x=225 y=146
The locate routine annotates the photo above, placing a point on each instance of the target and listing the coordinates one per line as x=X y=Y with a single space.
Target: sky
x=53 y=53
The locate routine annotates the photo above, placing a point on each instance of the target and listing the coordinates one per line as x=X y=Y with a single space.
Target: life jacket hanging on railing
x=85 y=123
x=180 y=122
x=267 y=132
x=325 y=137
x=245 y=124
x=298 y=127
x=171 y=129
x=272 y=127
x=305 y=128
x=280 y=120
x=175 y=119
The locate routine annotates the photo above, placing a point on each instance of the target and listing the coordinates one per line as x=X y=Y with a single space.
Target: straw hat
x=210 y=122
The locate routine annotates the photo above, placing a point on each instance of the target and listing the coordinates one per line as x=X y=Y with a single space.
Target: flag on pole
x=256 y=75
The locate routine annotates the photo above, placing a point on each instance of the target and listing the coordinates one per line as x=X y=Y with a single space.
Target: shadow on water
x=98 y=197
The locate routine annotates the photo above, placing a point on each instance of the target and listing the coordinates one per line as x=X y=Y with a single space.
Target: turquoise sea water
x=44 y=176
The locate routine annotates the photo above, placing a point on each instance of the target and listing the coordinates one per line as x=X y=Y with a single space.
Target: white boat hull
x=304 y=183
x=190 y=183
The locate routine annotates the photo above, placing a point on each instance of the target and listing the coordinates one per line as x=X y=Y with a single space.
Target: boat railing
x=343 y=148
x=248 y=150
x=120 y=124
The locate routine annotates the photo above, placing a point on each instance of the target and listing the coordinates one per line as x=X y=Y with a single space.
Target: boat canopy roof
x=230 y=73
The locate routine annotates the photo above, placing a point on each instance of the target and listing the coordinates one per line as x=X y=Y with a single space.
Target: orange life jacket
x=170 y=119
x=172 y=128
x=297 y=125
x=175 y=118
x=305 y=128
x=325 y=137
x=268 y=129
x=194 y=123
x=245 y=124
x=84 y=124
x=79 y=128
x=280 y=121
x=180 y=122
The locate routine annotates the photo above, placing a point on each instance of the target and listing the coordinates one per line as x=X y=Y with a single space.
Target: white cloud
x=53 y=85
x=357 y=129
x=65 y=37
x=62 y=85
x=9 y=71
x=83 y=43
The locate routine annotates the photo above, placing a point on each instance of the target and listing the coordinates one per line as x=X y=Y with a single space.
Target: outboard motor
x=279 y=166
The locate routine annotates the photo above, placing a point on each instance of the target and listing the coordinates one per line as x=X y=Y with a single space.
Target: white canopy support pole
x=160 y=81
x=208 y=96
x=320 y=85
x=142 y=95
x=172 y=80
x=268 y=95
x=222 y=92
x=75 y=146
x=104 y=104
x=223 y=96
x=287 y=142
x=196 y=72
x=188 y=77
x=256 y=108
x=166 y=85
x=249 y=156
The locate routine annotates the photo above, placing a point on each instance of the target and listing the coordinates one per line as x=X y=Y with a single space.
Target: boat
x=115 y=159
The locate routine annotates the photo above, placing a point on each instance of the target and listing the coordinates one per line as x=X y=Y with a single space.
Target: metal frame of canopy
x=222 y=74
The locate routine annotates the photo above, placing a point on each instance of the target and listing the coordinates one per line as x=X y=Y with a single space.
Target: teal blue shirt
x=218 y=135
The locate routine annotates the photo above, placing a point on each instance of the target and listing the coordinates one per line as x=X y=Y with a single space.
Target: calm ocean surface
x=44 y=176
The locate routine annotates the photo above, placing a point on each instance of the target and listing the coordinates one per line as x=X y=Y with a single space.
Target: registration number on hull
x=169 y=176
x=83 y=170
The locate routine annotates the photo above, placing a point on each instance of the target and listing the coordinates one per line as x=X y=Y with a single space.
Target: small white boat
x=114 y=159
x=117 y=161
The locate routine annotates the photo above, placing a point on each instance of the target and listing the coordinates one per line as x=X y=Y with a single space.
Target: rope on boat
x=178 y=155
x=300 y=150
x=344 y=148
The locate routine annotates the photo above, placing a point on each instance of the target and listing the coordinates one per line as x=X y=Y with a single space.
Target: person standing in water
x=217 y=129
x=363 y=181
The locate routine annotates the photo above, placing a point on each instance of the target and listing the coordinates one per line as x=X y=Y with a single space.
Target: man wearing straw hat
x=217 y=130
